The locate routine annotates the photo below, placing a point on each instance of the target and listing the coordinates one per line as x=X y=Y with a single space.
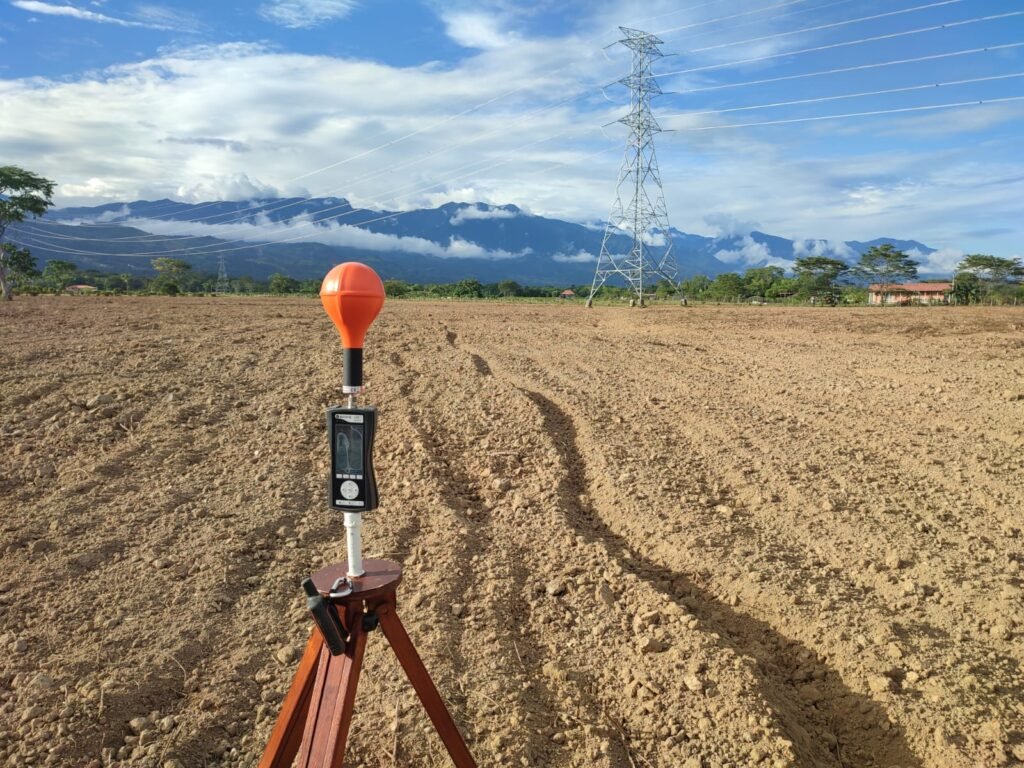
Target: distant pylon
x=650 y=256
x=223 y=286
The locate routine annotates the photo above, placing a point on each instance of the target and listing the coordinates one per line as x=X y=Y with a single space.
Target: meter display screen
x=351 y=486
x=348 y=449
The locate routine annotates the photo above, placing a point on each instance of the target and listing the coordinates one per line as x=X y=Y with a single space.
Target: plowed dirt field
x=671 y=537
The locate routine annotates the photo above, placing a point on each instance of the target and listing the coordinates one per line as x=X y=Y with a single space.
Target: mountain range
x=304 y=237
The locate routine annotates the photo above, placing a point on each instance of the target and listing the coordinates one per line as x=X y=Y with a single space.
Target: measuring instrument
x=350 y=600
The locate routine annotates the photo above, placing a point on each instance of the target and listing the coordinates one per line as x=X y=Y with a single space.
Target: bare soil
x=696 y=537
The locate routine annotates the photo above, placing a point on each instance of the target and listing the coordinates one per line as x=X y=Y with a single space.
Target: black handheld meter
x=352 y=486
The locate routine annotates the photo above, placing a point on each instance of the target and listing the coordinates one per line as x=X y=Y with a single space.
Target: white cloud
x=394 y=134
x=302 y=14
x=476 y=30
x=942 y=261
x=726 y=225
x=805 y=246
x=472 y=212
x=580 y=257
x=48 y=9
x=234 y=186
x=751 y=254
x=302 y=229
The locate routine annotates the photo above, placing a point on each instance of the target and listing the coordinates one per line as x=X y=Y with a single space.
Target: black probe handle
x=353 y=365
x=325 y=617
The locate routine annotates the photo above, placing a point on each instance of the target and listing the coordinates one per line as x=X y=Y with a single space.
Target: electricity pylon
x=223 y=286
x=643 y=219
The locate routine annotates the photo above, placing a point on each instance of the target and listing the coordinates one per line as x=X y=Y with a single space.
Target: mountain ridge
x=451 y=242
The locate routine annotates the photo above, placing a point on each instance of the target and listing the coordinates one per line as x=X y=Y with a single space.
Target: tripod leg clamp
x=326 y=618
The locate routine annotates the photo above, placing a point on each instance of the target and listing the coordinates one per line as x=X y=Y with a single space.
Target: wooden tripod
x=316 y=714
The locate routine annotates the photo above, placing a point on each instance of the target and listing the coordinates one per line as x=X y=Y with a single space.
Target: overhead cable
x=847 y=43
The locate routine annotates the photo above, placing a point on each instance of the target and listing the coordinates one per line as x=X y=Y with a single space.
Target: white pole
x=354 y=540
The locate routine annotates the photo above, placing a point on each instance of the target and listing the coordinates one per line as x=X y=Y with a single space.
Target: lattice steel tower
x=223 y=286
x=644 y=220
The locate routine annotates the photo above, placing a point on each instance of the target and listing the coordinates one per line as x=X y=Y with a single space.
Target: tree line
x=978 y=278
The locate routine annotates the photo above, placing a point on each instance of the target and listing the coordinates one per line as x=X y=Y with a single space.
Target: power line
x=199 y=250
x=254 y=243
x=815 y=100
x=839 y=70
x=820 y=27
x=847 y=43
x=241 y=214
x=853 y=114
x=732 y=16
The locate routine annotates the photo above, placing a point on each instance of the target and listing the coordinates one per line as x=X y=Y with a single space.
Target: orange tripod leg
x=333 y=699
x=424 y=686
x=287 y=734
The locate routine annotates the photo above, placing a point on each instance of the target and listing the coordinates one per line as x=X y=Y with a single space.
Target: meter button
x=349 y=489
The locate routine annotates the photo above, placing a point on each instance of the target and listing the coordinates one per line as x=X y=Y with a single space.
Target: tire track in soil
x=1003 y=669
x=511 y=611
x=590 y=687
x=1000 y=662
x=843 y=706
x=746 y=635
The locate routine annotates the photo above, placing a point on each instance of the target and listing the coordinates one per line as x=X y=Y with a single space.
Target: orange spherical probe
x=352 y=294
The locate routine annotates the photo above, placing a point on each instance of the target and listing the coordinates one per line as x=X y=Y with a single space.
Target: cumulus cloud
x=725 y=225
x=234 y=186
x=473 y=212
x=805 y=246
x=476 y=30
x=302 y=229
x=580 y=257
x=302 y=14
x=751 y=254
x=942 y=261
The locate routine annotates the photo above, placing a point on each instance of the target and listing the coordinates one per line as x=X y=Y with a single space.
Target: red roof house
x=910 y=293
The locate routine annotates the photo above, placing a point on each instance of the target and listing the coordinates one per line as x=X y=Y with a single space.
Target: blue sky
x=401 y=104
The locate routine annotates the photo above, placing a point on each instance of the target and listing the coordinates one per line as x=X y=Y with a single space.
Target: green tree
x=885 y=266
x=758 y=281
x=509 y=288
x=992 y=272
x=169 y=272
x=817 y=275
x=966 y=288
x=17 y=266
x=396 y=288
x=696 y=286
x=728 y=285
x=468 y=288
x=22 y=194
x=283 y=284
x=59 y=274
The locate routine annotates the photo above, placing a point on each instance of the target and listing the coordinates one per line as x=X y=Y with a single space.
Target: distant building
x=910 y=293
x=569 y=293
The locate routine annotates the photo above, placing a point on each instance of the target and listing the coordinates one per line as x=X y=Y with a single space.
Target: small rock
x=98 y=400
x=650 y=645
x=20 y=645
x=991 y=731
x=555 y=588
x=43 y=680
x=285 y=654
x=458 y=609
x=166 y=725
x=138 y=724
x=31 y=713
x=880 y=684
x=173 y=764
x=693 y=683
